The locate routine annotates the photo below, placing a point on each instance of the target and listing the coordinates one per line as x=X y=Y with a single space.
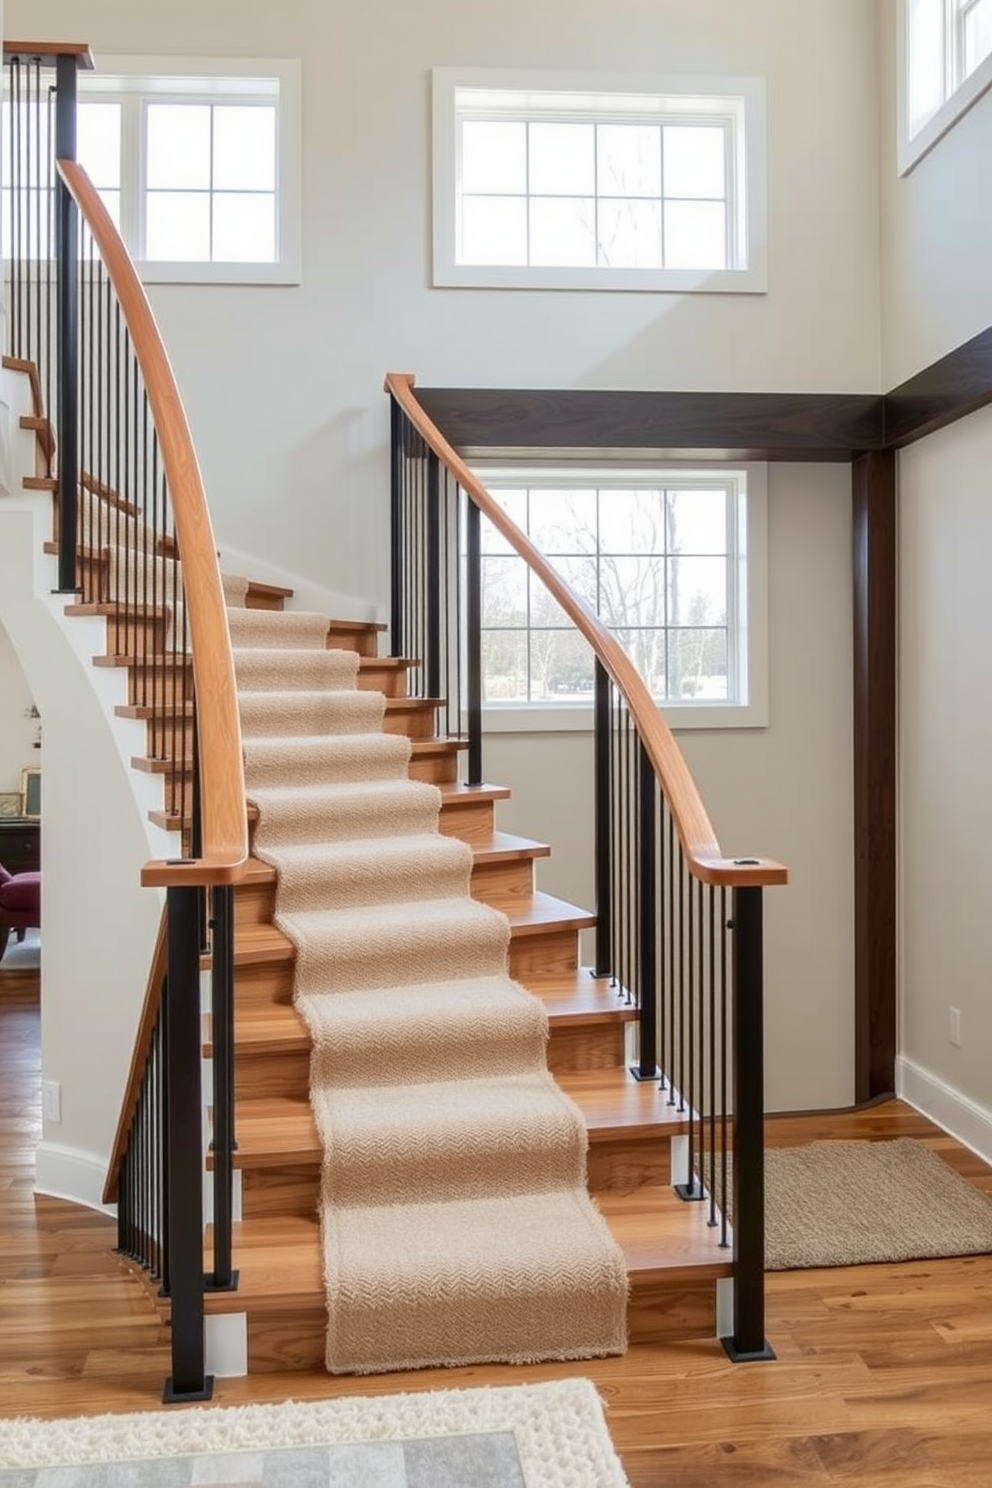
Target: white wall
x=783 y=792
x=945 y=795
x=304 y=483
x=98 y=923
x=17 y=732
x=936 y=232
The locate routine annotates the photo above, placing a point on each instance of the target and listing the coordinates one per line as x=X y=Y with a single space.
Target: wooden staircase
x=672 y=1253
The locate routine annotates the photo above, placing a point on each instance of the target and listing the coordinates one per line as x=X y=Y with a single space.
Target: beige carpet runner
x=455 y=1222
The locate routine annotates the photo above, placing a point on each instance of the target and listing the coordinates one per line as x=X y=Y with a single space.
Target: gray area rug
x=527 y=1436
x=859 y=1203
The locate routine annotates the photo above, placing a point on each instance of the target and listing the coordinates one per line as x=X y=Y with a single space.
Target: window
x=197 y=163
x=563 y=182
x=672 y=561
x=945 y=65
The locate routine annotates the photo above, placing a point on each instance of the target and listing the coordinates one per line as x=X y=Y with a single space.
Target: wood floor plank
x=883 y=1375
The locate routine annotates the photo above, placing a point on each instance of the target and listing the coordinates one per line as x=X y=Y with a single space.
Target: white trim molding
x=957 y=1113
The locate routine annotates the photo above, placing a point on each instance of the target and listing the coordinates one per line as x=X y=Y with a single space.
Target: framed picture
x=10 y=803
x=31 y=793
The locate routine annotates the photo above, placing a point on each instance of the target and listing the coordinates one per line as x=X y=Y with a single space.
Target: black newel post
x=395 y=528
x=473 y=639
x=647 y=907
x=184 y=1242
x=222 y=1041
x=748 y=1340
x=604 y=886
x=67 y=253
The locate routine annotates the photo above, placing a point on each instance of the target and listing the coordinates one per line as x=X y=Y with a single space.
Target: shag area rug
x=456 y=1224
x=530 y=1436
x=858 y=1203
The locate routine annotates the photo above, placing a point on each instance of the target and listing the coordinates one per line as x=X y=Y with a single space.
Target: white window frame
x=752 y=621
x=960 y=93
x=136 y=81
x=608 y=98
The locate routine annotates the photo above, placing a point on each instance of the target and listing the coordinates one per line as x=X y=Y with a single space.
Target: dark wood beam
x=874 y=512
x=948 y=389
x=755 y=426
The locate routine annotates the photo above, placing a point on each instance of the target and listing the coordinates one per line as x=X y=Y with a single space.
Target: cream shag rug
x=560 y=1433
x=455 y=1219
x=858 y=1203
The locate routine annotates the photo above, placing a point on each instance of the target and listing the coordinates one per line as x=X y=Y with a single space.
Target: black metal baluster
x=397 y=545
x=473 y=637
x=222 y=1028
x=646 y=1068
x=67 y=252
x=603 y=822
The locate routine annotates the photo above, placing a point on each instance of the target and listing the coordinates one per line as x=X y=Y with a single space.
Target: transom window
x=199 y=170
x=588 y=187
x=662 y=558
x=946 y=64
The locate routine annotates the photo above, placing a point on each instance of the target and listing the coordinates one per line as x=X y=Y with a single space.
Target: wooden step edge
x=39 y=483
x=413 y=704
x=387 y=663
x=665 y=1243
x=529 y=915
x=455 y=793
x=269 y=591
x=110 y=610
x=358 y=627
x=149 y=766
x=579 y=998
x=448 y=745
x=146 y=711
x=504 y=847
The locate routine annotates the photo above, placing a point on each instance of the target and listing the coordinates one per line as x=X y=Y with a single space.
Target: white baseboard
x=958 y=1114
x=68 y=1173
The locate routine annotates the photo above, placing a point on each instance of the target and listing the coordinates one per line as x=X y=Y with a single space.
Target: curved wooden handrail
x=699 y=843
x=222 y=793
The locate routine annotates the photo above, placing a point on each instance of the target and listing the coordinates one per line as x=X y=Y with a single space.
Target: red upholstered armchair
x=20 y=904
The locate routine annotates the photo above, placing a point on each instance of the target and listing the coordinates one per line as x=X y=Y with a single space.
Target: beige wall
x=937 y=293
x=936 y=232
x=17 y=733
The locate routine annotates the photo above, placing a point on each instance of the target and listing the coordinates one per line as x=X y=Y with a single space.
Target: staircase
x=673 y=1260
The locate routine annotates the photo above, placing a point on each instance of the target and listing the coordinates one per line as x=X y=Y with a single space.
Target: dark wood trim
x=873 y=489
x=47 y=53
x=755 y=426
x=945 y=391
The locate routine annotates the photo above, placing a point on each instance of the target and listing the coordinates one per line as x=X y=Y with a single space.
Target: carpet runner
x=455 y=1222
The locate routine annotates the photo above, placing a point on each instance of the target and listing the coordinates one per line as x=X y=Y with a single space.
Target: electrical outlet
x=51 y=1100
x=954 y=1026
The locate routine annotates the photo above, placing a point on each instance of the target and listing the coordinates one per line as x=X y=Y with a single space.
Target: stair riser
x=551 y=950
x=165 y=738
x=438 y=768
x=162 y=686
x=295 y=1338
x=390 y=681
x=254 y=903
x=471 y=823
x=135 y=637
x=287 y=1072
x=414 y=719
x=365 y=642
x=275 y=1191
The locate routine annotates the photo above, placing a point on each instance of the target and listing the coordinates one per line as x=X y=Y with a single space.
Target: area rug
x=22 y=955
x=859 y=1203
x=529 y=1436
x=455 y=1219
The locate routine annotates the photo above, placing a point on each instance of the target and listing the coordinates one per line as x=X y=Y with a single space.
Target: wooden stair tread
x=269 y=591
x=454 y=792
x=279 y=1131
x=387 y=663
x=662 y=1239
x=578 y=998
x=528 y=915
x=504 y=847
x=358 y=626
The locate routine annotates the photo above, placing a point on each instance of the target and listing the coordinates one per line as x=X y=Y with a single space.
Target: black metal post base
x=640 y=1074
x=691 y=1193
x=172 y=1396
x=747 y=1356
x=210 y=1285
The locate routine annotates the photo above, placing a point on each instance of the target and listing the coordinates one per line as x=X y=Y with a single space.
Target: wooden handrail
x=222 y=794
x=139 y=1057
x=699 y=843
x=48 y=52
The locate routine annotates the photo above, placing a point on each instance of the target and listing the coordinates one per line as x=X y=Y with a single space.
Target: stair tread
x=506 y=847
x=279 y=1131
x=387 y=663
x=279 y=1258
x=454 y=792
x=528 y=915
x=572 y=999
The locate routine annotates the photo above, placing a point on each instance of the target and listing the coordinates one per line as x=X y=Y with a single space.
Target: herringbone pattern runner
x=455 y=1220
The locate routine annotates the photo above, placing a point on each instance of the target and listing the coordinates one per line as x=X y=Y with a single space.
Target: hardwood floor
x=883 y=1377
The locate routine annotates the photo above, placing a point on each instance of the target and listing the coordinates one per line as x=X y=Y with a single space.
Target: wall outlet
x=954 y=1026
x=51 y=1100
